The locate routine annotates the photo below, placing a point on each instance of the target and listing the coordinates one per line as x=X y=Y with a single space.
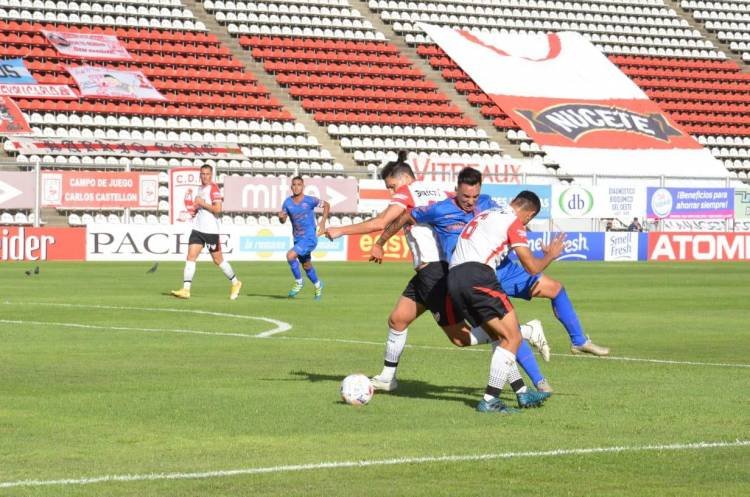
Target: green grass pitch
x=103 y=374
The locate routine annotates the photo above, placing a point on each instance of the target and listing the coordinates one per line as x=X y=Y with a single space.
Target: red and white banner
x=99 y=190
x=266 y=194
x=578 y=106
x=126 y=148
x=87 y=46
x=102 y=82
x=63 y=92
x=12 y=121
x=17 y=190
x=183 y=184
x=446 y=169
x=698 y=246
x=42 y=244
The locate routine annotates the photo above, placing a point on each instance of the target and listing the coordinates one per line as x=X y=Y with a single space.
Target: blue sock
x=564 y=312
x=311 y=274
x=527 y=361
x=294 y=264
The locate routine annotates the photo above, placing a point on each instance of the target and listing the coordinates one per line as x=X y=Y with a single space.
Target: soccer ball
x=356 y=389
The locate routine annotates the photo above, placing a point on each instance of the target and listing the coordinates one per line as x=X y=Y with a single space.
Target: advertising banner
x=601 y=201
x=99 y=190
x=266 y=194
x=504 y=194
x=183 y=185
x=12 y=121
x=59 y=92
x=103 y=82
x=621 y=246
x=126 y=148
x=396 y=249
x=42 y=244
x=17 y=190
x=446 y=169
x=578 y=245
x=698 y=246
x=143 y=242
x=14 y=72
x=583 y=111
x=742 y=203
x=690 y=203
x=87 y=46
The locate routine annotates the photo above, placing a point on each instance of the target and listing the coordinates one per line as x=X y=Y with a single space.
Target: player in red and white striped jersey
x=206 y=208
x=473 y=286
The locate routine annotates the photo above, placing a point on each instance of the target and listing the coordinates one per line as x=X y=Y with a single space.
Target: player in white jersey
x=205 y=209
x=473 y=285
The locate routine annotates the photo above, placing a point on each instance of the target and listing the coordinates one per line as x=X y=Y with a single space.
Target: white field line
x=374 y=462
x=280 y=326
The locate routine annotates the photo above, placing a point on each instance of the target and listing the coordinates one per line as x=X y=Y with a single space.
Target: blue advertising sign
x=13 y=71
x=503 y=194
x=689 y=203
x=579 y=245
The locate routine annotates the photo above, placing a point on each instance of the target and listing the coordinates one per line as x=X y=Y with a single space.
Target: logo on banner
x=574 y=120
x=661 y=203
x=11 y=118
x=14 y=71
x=621 y=246
x=576 y=201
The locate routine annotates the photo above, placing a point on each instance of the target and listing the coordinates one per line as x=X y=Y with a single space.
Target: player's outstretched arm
x=535 y=265
x=377 y=223
x=323 y=217
x=376 y=253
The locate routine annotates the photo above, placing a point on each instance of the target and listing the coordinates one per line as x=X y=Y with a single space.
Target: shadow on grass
x=409 y=388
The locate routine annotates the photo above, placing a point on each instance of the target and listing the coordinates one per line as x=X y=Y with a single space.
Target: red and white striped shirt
x=489 y=237
x=205 y=221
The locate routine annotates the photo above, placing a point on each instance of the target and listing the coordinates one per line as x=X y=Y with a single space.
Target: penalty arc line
x=373 y=462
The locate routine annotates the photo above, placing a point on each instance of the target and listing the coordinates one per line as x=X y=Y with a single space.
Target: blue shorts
x=515 y=280
x=303 y=248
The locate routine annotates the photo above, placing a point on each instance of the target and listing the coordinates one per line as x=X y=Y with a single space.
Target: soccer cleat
x=182 y=293
x=544 y=386
x=589 y=347
x=319 y=291
x=538 y=339
x=295 y=289
x=235 y=290
x=495 y=405
x=530 y=398
x=379 y=383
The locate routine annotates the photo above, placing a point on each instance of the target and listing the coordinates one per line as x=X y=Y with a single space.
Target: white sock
x=187 y=274
x=500 y=366
x=478 y=336
x=394 y=347
x=515 y=375
x=228 y=272
x=300 y=281
x=317 y=285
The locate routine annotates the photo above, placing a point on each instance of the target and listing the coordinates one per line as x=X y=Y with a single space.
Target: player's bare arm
x=535 y=265
x=377 y=223
x=323 y=217
x=282 y=216
x=376 y=253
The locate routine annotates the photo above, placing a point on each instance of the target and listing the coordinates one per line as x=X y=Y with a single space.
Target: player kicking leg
x=196 y=243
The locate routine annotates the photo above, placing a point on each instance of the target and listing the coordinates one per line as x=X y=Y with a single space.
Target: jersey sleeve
x=424 y=214
x=517 y=234
x=215 y=193
x=402 y=197
x=484 y=203
x=314 y=202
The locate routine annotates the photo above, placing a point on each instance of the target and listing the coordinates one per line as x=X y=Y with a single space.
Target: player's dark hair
x=469 y=176
x=209 y=167
x=528 y=201
x=397 y=168
x=298 y=178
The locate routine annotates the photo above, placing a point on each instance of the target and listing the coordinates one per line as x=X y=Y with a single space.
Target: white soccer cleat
x=536 y=337
x=235 y=291
x=590 y=347
x=379 y=383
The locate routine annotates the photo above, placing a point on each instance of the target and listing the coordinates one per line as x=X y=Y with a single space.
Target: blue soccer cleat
x=495 y=405
x=295 y=290
x=531 y=398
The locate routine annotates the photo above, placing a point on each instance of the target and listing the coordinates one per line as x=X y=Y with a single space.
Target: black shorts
x=429 y=287
x=476 y=292
x=208 y=240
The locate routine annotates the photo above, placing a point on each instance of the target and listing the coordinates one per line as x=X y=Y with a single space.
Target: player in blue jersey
x=448 y=218
x=300 y=209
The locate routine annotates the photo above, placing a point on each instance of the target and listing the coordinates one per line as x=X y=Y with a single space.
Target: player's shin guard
x=312 y=275
x=564 y=312
x=294 y=265
x=226 y=268
x=500 y=365
x=187 y=274
x=525 y=358
x=394 y=347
